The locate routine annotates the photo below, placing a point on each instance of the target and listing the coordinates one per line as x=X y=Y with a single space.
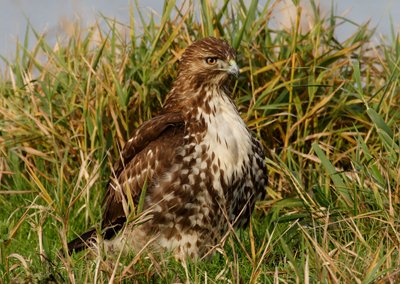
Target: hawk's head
x=206 y=64
x=210 y=61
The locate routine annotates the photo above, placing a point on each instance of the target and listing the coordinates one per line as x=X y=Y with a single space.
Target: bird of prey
x=195 y=167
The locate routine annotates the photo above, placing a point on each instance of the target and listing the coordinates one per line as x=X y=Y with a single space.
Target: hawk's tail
x=82 y=242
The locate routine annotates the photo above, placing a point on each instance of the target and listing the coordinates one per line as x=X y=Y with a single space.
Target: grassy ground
x=328 y=114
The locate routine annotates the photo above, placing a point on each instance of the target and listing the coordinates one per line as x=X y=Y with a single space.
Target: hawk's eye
x=211 y=60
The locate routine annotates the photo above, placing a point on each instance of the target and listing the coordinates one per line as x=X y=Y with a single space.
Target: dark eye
x=211 y=60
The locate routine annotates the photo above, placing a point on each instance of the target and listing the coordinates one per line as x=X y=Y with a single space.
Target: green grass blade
x=334 y=175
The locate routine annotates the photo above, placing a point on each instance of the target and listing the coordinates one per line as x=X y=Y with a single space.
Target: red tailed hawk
x=195 y=166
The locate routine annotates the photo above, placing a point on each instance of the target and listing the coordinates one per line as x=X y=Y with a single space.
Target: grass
x=328 y=114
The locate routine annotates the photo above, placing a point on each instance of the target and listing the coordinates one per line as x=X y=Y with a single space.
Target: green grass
x=328 y=114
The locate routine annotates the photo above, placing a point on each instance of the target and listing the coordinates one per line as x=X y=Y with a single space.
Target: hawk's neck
x=215 y=124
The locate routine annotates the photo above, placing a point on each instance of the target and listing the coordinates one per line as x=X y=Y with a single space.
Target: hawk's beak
x=233 y=68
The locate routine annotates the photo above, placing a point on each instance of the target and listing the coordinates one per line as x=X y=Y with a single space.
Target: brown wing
x=145 y=156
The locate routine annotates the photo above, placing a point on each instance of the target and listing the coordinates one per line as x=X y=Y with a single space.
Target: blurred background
x=55 y=17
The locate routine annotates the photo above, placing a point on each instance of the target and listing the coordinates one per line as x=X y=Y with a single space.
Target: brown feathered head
x=209 y=59
x=206 y=64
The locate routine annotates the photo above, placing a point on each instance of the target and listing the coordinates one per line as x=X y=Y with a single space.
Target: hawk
x=195 y=168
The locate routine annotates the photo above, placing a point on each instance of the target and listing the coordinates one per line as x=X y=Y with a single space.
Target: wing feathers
x=140 y=162
x=146 y=133
x=81 y=242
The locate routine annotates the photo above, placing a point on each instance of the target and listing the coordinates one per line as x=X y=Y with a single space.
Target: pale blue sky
x=48 y=15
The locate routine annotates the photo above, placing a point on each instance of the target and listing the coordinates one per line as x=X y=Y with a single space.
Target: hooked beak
x=233 y=68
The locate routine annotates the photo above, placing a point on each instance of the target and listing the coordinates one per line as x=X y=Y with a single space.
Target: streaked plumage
x=197 y=160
